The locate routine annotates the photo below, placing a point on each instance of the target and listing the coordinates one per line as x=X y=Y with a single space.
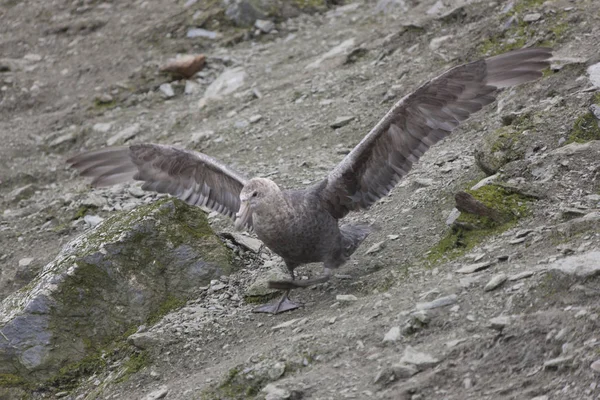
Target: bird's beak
x=243 y=216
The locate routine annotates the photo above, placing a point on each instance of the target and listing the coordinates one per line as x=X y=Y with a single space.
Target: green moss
x=171 y=303
x=103 y=105
x=68 y=376
x=135 y=363
x=82 y=211
x=10 y=380
x=471 y=230
x=520 y=33
x=586 y=126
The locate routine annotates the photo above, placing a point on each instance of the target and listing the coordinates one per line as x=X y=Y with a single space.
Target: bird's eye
x=254 y=194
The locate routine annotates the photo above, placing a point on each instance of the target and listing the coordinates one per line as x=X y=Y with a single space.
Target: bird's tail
x=354 y=235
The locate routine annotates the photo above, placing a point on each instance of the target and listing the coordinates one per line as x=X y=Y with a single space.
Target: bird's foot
x=282 y=305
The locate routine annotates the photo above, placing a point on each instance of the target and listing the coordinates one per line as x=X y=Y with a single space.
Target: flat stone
x=64 y=138
x=392 y=335
x=102 y=127
x=202 y=33
x=532 y=17
x=25 y=262
x=159 y=393
x=523 y=233
x=342 y=121
x=518 y=241
x=255 y=118
x=596 y=366
x=420 y=360
x=558 y=362
x=437 y=303
x=346 y=297
x=124 y=135
x=581 y=265
x=338 y=52
x=520 y=275
x=93 y=200
x=375 y=248
x=469 y=269
x=92 y=220
x=495 y=282
x=247 y=242
x=144 y=340
x=285 y=324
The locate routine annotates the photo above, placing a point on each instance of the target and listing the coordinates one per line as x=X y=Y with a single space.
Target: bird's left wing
x=191 y=176
x=418 y=121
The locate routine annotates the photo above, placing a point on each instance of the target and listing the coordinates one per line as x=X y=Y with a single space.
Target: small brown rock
x=185 y=66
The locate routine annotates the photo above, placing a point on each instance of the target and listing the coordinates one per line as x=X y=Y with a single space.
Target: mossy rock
x=499 y=148
x=471 y=230
x=134 y=267
x=586 y=126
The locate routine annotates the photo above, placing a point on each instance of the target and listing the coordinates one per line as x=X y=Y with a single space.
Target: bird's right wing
x=420 y=120
x=191 y=176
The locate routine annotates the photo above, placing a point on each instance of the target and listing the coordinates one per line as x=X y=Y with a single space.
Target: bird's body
x=302 y=225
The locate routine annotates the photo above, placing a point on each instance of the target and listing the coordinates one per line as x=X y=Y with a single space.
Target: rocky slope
x=483 y=309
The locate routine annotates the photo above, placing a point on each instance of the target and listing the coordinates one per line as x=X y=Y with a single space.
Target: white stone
x=102 y=127
x=337 y=51
x=594 y=74
x=167 y=90
x=392 y=335
x=228 y=82
x=24 y=262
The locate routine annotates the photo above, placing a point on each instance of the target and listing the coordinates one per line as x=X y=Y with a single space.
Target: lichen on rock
x=113 y=277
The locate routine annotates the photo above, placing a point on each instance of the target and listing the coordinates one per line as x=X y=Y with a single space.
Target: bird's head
x=254 y=194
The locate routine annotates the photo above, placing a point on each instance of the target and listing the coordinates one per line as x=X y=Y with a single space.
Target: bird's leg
x=284 y=303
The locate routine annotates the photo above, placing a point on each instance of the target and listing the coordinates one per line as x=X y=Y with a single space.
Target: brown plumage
x=302 y=225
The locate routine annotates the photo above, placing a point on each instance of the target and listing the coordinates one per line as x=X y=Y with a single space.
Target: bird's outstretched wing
x=418 y=121
x=193 y=177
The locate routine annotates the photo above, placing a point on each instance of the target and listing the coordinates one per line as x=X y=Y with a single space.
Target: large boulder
x=106 y=281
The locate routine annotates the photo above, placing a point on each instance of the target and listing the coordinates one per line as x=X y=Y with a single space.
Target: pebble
x=255 y=118
x=420 y=360
x=202 y=33
x=499 y=323
x=469 y=269
x=92 y=220
x=167 y=90
x=159 y=393
x=93 y=200
x=495 y=282
x=392 y=335
x=273 y=392
x=342 y=121
x=596 y=366
x=190 y=88
x=136 y=191
x=518 y=240
x=532 y=17
x=437 y=303
x=265 y=26
x=375 y=248
x=346 y=297
x=437 y=42
x=24 y=262
x=404 y=370
x=102 y=127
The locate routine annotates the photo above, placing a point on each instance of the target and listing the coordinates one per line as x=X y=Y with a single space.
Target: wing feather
x=420 y=120
x=193 y=177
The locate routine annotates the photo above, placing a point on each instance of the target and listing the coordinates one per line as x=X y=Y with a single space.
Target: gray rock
x=102 y=127
x=334 y=57
x=159 y=393
x=105 y=281
x=495 y=282
x=392 y=335
x=265 y=26
x=228 y=82
x=404 y=370
x=596 y=366
x=499 y=323
x=581 y=265
x=202 y=33
x=244 y=12
x=123 y=136
x=255 y=118
x=190 y=87
x=276 y=371
x=346 y=297
x=67 y=137
x=594 y=74
x=247 y=242
x=342 y=121
x=437 y=42
x=273 y=392
x=595 y=110
x=532 y=17
x=21 y=193
x=144 y=340
x=437 y=303
x=25 y=262
x=92 y=220
x=259 y=289
x=93 y=200
x=420 y=360
x=469 y=269
x=521 y=275
x=167 y=90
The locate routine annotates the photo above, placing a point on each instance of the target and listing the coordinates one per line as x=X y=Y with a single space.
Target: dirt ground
x=75 y=73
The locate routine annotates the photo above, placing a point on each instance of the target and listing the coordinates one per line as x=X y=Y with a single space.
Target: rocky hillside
x=117 y=293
